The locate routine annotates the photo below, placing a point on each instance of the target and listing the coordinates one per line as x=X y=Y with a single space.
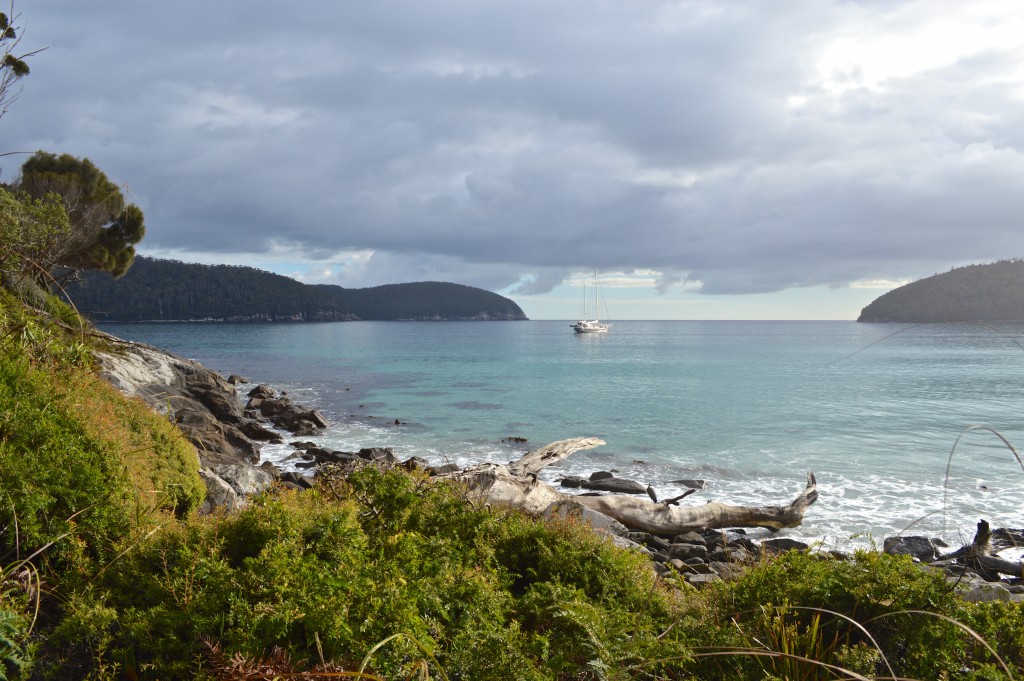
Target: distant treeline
x=171 y=290
x=975 y=293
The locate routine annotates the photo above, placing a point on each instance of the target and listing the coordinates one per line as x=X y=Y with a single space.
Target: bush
x=873 y=589
x=334 y=574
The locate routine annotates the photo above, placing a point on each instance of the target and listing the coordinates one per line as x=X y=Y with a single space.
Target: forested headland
x=169 y=290
x=975 y=293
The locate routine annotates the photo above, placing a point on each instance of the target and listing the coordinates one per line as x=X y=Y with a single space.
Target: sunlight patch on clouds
x=878 y=283
x=644 y=279
x=892 y=47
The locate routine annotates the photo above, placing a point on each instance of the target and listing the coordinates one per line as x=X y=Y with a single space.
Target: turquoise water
x=873 y=409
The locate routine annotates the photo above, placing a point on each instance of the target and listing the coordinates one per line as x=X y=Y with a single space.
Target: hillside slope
x=154 y=290
x=976 y=293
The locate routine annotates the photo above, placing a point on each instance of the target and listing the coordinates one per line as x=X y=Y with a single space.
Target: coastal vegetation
x=976 y=293
x=163 y=290
x=108 y=571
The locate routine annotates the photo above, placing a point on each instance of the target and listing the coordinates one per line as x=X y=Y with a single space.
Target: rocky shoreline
x=227 y=434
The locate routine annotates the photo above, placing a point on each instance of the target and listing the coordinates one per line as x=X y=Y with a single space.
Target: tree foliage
x=104 y=227
x=12 y=65
x=171 y=290
x=976 y=293
x=31 y=231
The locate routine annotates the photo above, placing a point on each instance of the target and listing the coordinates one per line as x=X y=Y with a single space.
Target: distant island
x=169 y=290
x=975 y=293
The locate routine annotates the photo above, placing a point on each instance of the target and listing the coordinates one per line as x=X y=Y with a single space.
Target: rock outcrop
x=200 y=401
x=208 y=411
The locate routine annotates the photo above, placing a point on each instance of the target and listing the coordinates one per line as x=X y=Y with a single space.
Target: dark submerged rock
x=618 y=485
x=783 y=544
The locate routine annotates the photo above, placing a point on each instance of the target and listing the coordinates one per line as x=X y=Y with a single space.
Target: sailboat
x=586 y=325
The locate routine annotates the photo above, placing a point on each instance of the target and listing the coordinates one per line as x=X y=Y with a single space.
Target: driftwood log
x=978 y=556
x=517 y=485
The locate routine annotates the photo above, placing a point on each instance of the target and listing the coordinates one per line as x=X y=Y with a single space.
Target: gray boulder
x=219 y=494
x=783 y=544
x=599 y=521
x=244 y=479
x=921 y=548
x=617 y=485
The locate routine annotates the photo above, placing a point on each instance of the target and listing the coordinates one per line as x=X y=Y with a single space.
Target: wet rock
x=269 y=467
x=921 y=548
x=297 y=479
x=692 y=484
x=235 y=379
x=221 y=404
x=649 y=540
x=443 y=469
x=378 y=454
x=601 y=475
x=255 y=431
x=334 y=456
x=571 y=481
x=783 y=544
x=261 y=391
x=617 y=485
x=304 y=427
x=414 y=463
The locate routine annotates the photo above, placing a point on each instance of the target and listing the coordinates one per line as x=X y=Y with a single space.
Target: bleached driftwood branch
x=517 y=485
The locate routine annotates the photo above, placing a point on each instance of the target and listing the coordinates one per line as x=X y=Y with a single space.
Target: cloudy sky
x=775 y=159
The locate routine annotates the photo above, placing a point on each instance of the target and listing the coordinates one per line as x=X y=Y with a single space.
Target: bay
x=749 y=406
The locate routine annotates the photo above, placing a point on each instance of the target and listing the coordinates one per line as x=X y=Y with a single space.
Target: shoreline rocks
x=208 y=411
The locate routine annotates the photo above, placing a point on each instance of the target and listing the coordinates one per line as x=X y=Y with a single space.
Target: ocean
x=876 y=411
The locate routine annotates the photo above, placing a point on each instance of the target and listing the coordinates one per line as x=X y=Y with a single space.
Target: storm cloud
x=748 y=147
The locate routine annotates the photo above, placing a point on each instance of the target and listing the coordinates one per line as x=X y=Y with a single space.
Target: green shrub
x=16 y=650
x=75 y=457
x=335 y=574
x=874 y=589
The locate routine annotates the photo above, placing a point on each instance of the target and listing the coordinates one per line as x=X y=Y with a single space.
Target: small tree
x=103 y=227
x=12 y=65
x=30 y=232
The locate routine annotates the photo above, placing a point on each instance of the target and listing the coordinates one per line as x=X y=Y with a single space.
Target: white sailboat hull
x=589 y=326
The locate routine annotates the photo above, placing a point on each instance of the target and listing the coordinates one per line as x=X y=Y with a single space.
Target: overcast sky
x=775 y=159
